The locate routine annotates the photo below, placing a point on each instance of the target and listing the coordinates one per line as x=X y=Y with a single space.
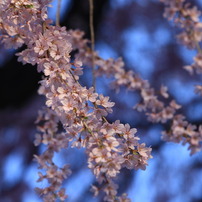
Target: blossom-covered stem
x=103 y=118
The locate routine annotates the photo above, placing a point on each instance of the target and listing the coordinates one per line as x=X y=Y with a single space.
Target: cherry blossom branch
x=81 y=111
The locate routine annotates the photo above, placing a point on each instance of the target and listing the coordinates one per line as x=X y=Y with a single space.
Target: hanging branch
x=92 y=36
x=58 y=13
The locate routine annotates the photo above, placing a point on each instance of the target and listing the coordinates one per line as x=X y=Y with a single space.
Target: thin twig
x=92 y=35
x=58 y=13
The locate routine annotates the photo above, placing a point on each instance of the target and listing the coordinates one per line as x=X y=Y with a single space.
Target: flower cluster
x=80 y=110
x=187 y=18
x=55 y=141
x=20 y=21
x=113 y=147
x=182 y=131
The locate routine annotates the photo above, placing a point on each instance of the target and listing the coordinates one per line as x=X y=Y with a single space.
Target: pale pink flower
x=95 y=190
x=68 y=104
x=91 y=94
x=37 y=140
x=100 y=155
x=111 y=144
x=198 y=89
x=174 y=105
x=147 y=94
x=128 y=132
x=117 y=126
x=41 y=47
x=189 y=68
x=100 y=113
x=62 y=195
x=54 y=52
x=163 y=91
x=50 y=68
x=51 y=171
x=104 y=101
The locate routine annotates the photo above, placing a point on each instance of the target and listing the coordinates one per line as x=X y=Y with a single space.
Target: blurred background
x=136 y=31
